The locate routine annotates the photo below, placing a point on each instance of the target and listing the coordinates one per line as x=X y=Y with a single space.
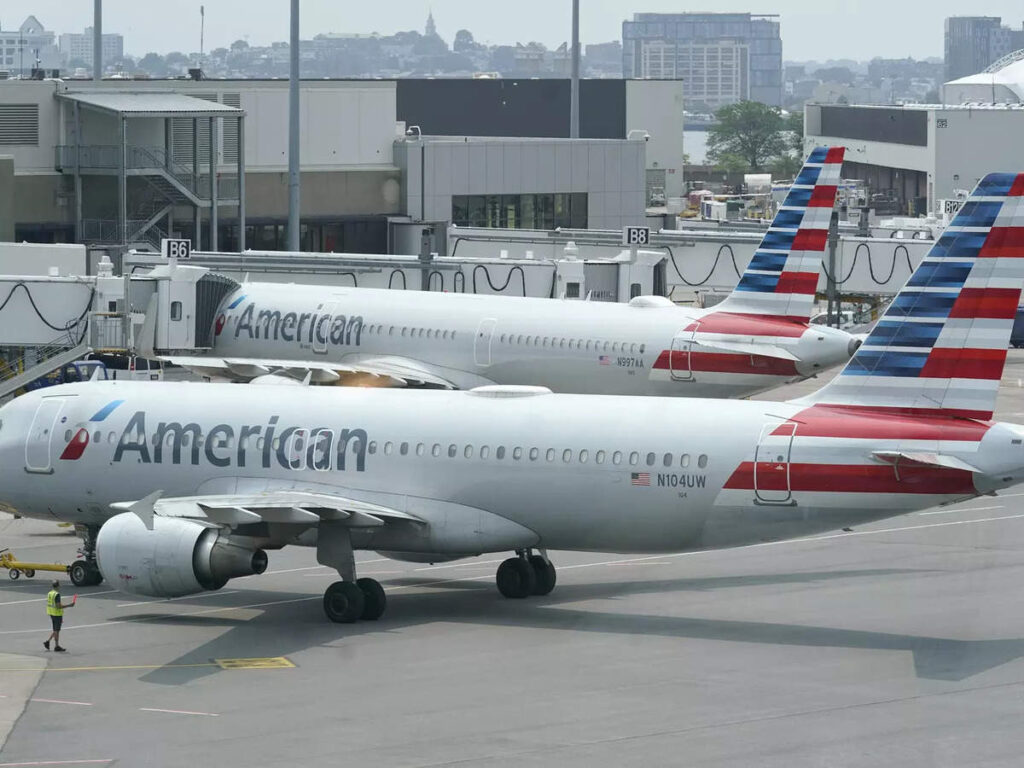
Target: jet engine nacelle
x=176 y=558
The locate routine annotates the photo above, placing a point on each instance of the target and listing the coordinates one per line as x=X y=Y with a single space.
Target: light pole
x=294 y=189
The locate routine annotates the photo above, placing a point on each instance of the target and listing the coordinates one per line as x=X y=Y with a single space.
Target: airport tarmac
x=900 y=643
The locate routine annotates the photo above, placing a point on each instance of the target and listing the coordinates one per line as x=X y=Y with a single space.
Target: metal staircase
x=15 y=374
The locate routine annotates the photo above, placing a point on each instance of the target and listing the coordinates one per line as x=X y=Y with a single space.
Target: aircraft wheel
x=545 y=575
x=516 y=578
x=343 y=602
x=95 y=577
x=13 y=574
x=375 y=601
x=30 y=572
x=80 y=573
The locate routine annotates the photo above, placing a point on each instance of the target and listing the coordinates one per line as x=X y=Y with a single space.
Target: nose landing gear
x=526 y=575
x=84 y=572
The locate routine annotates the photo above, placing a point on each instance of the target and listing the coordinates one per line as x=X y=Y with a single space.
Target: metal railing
x=10 y=369
x=108 y=331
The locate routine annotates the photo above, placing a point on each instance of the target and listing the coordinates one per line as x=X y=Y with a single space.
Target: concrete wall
x=6 y=198
x=43 y=198
x=656 y=106
x=33 y=158
x=611 y=172
x=38 y=258
x=973 y=143
x=324 y=193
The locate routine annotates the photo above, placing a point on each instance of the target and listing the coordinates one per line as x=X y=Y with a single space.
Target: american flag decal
x=640 y=478
x=604 y=360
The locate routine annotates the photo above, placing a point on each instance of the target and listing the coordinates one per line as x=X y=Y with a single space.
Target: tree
x=463 y=42
x=153 y=63
x=239 y=45
x=748 y=130
x=795 y=131
x=176 y=58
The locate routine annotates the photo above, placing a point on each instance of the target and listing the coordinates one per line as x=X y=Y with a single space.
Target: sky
x=811 y=29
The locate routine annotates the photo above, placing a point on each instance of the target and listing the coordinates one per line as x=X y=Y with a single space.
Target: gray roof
x=151 y=104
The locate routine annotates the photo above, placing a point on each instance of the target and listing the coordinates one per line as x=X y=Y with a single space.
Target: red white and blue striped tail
x=782 y=276
x=940 y=346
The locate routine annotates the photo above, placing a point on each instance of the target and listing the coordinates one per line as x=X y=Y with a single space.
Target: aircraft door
x=679 y=361
x=39 y=443
x=322 y=330
x=482 y=342
x=772 y=465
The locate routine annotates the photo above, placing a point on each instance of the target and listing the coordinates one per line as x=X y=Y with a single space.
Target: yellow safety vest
x=52 y=608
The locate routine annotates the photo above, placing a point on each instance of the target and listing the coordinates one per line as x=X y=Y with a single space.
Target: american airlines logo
x=298 y=327
x=246 y=445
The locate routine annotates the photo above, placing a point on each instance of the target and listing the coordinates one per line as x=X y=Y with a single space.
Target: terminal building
x=128 y=163
x=915 y=156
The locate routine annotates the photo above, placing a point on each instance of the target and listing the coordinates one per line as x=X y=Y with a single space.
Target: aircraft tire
x=545 y=575
x=516 y=578
x=374 y=599
x=95 y=577
x=13 y=574
x=30 y=572
x=343 y=602
x=80 y=573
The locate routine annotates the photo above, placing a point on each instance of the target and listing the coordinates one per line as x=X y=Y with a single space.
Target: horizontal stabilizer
x=763 y=350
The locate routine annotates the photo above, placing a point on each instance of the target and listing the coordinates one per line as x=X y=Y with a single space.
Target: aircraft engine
x=178 y=557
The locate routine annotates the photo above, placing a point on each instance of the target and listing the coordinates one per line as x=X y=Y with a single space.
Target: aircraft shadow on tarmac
x=285 y=628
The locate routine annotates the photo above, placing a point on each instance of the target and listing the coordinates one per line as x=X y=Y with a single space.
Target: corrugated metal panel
x=19 y=124
x=181 y=130
x=143 y=103
x=230 y=130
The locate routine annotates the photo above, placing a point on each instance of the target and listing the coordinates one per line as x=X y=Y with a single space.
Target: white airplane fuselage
x=571 y=472
x=647 y=347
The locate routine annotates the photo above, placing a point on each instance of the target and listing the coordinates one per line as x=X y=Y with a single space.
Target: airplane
x=759 y=337
x=181 y=487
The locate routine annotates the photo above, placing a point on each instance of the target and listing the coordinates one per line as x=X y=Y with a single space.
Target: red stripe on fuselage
x=714 y=362
x=853 y=478
x=947 y=363
x=751 y=324
x=857 y=421
x=987 y=303
x=1003 y=243
x=797 y=282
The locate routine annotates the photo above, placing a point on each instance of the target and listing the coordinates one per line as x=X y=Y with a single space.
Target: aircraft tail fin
x=782 y=277
x=941 y=345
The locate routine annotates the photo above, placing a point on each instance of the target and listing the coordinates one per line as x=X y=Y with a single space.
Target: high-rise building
x=28 y=47
x=972 y=43
x=76 y=46
x=723 y=57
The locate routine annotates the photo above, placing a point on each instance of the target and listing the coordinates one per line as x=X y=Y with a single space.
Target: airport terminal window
x=702 y=461
x=526 y=211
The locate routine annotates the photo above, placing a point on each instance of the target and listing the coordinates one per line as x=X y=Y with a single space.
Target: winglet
x=146 y=508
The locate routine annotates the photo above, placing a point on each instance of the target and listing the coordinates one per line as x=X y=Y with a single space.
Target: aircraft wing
x=764 y=350
x=392 y=370
x=291 y=507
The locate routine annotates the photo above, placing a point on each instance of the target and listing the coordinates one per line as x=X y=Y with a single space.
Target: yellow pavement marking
x=276 y=662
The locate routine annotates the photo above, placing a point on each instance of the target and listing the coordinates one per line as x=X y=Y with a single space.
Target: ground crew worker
x=55 y=610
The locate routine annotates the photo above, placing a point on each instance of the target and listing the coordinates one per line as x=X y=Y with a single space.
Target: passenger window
x=404 y=449
x=404 y=330
x=520 y=339
x=550 y=454
x=567 y=455
x=421 y=333
x=175 y=310
x=606 y=346
x=391 y=330
x=436 y=450
x=651 y=458
x=499 y=454
x=583 y=457
x=485 y=451
x=430 y=333
x=615 y=346
x=453 y=449
x=112 y=438
x=534 y=453
x=372 y=447
x=421 y=449
x=684 y=460
x=642 y=348
x=259 y=443
x=634 y=458
x=517 y=453
x=599 y=457
x=388 y=446
x=468 y=453
x=561 y=343
x=617 y=457
x=702 y=460
x=546 y=340
x=668 y=460
x=503 y=338
x=67 y=435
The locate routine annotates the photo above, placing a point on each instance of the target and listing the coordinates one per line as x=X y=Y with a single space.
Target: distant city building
x=723 y=57
x=974 y=42
x=29 y=46
x=76 y=46
x=431 y=29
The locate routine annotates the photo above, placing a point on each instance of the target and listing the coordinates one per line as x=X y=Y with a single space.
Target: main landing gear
x=84 y=572
x=526 y=575
x=351 y=599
